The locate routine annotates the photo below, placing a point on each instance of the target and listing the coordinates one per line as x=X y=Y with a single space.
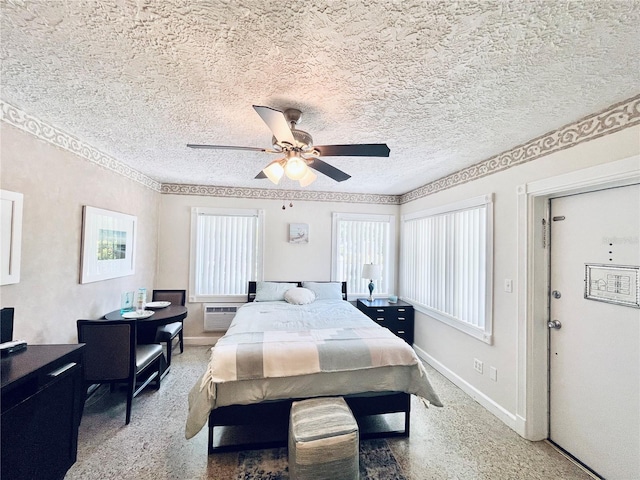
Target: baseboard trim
x=496 y=409
x=201 y=340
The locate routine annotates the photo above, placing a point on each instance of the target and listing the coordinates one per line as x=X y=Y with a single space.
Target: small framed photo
x=298 y=233
x=108 y=245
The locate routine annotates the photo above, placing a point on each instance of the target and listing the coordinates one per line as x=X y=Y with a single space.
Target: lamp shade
x=371 y=271
x=274 y=171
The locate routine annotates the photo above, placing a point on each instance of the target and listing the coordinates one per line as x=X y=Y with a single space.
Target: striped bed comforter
x=277 y=340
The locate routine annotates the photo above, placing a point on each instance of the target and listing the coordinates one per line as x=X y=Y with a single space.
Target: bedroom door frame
x=532 y=408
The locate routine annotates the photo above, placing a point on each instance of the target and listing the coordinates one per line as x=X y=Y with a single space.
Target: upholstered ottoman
x=323 y=440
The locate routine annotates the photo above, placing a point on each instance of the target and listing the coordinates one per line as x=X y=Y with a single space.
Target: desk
x=42 y=400
x=147 y=326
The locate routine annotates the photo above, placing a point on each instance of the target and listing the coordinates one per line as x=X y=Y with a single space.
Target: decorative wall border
x=19 y=119
x=272 y=194
x=610 y=120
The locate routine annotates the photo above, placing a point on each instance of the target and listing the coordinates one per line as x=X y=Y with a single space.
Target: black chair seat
x=168 y=332
x=147 y=354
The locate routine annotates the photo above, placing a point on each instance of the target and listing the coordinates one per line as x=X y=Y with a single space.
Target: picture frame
x=11 y=231
x=617 y=284
x=299 y=233
x=108 y=244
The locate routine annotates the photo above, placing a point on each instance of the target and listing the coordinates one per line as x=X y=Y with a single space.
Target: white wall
x=283 y=260
x=56 y=184
x=453 y=351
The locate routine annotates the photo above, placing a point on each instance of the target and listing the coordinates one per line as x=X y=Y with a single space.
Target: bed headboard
x=252 y=288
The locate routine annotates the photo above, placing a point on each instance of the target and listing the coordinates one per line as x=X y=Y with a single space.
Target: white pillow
x=325 y=290
x=271 y=291
x=299 y=296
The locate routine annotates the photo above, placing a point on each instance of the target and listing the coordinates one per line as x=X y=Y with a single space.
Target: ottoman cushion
x=323 y=440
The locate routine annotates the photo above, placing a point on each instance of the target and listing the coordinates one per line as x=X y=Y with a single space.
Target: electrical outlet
x=493 y=374
x=477 y=365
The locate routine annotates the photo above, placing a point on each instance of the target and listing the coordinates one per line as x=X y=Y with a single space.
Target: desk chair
x=6 y=327
x=166 y=333
x=113 y=356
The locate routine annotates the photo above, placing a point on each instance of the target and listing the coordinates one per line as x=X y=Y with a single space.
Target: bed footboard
x=274 y=415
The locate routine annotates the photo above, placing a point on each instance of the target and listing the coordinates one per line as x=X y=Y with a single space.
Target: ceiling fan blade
x=329 y=170
x=355 y=150
x=260 y=175
x=277 y=123
x=231 y=147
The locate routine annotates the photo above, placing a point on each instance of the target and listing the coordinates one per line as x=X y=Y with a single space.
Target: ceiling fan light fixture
x=274 y=171
x=308 y=178
x=295 y=168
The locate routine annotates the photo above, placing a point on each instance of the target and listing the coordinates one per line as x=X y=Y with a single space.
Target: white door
x=594 y=376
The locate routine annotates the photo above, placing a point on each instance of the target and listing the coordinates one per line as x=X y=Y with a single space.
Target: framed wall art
x=108 y=244
x=11 y=241
x=298 y=233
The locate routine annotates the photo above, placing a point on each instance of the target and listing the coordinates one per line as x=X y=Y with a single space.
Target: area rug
x=376 y=463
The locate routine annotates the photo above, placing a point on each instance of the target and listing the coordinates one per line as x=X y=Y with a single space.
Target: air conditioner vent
x=218 y=316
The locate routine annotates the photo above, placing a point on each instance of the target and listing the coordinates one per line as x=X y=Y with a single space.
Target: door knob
x=554 y=324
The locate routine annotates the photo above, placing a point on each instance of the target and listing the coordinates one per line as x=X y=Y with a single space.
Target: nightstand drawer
x=396 y=317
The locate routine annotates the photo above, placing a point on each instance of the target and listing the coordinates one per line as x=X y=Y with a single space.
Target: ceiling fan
x=300 y=155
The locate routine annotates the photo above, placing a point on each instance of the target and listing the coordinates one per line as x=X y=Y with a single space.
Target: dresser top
x=22 y=364
x=383 y=302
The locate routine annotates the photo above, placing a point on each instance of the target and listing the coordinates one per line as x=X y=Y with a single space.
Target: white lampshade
x=371 y=271
x=295 y=168
x=308 y=178
x=274 y=171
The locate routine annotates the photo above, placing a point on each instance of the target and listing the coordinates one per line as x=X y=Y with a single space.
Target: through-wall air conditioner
x=218 y=316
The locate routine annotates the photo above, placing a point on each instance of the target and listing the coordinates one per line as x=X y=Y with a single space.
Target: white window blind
x=226 y=252
x=360 y=239
x=447 y=264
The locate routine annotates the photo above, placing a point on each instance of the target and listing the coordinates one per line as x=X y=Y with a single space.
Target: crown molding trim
x=50 y=134
x=272 y=194
x=610 y=120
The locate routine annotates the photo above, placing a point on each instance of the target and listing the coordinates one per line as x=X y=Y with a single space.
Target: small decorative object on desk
x=126 y=303
x=393 y=299
x=141 y=300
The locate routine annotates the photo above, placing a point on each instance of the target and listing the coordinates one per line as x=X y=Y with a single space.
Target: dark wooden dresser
x=397 y=317
x=42 y=400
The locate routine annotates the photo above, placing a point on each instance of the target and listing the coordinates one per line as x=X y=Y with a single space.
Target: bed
x=313 y=343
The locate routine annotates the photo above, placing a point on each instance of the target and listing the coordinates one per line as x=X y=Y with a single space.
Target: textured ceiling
x=444 y=84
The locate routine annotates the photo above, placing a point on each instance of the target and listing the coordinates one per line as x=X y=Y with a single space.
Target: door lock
x=556 y=294
x=554 y=324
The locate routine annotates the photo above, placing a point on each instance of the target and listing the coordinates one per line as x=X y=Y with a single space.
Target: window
x=360 y=239
x=447 y=262
x=226 y=252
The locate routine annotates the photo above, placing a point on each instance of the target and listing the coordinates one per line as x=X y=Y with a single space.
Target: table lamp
x=372 y=272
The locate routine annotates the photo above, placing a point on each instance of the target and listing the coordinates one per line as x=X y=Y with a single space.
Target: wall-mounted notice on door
x=618 y=284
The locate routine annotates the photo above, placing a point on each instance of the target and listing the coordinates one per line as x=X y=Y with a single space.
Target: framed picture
x=617 y=284
x=11 y=231
x=298 y=233
x=108 y=244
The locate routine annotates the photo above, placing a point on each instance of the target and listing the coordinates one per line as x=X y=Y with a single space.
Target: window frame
x=388 y=269
x=259 y=250
x=485 y=333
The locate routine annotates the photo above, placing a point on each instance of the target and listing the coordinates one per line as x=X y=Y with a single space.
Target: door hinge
x=544 y=233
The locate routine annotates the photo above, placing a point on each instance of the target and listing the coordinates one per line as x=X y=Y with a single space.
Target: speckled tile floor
x=461 y=441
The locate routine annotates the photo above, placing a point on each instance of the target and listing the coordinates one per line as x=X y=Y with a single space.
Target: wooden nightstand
x=397 y=317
